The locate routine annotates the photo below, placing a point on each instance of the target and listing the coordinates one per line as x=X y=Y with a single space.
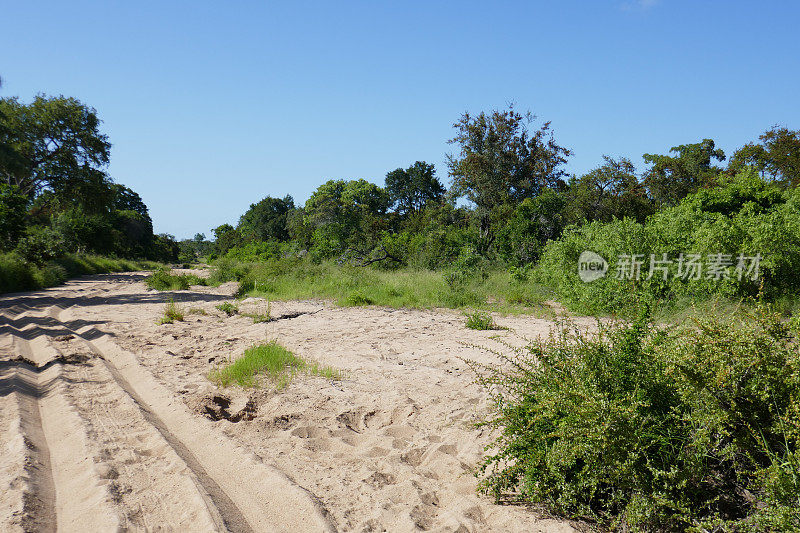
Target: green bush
x=17 y=274
x=172 y=313
x=356 y=299
x=743 y=215
x=163 y=280
x=480 y=321
x=229 y=308
x=647 y=429
x=40 y=244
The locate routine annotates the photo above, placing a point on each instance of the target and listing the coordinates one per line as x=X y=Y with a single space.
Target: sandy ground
x=108 y=422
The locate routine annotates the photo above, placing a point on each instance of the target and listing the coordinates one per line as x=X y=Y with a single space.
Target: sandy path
x=131 y=435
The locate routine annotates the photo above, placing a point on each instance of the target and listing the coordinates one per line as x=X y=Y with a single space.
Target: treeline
x=56 y=197
x=522 y=203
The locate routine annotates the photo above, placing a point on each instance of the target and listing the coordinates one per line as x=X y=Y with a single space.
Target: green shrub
x=172 y=312
x=648 y=429
x=17 y=274
x=356 y=299
x=40 y=244
x=163 y=280
x=229 y=308
x=743 y=215
x=480 y=321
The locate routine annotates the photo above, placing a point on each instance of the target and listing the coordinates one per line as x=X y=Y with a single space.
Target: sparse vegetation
x=229 y=308
x=259 y=318
x=272 y=361
x=294 y=278
x=172 y=313
x=654 y=429
x=196 y=311
x=164 y=280
x=481 y=321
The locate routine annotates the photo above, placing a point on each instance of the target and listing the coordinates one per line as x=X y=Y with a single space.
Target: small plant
x=481 y=321
x=259 y=318
x=196 y=311
x=357 y=299
x=272 y=360
x=172 y=312
x=229 y=308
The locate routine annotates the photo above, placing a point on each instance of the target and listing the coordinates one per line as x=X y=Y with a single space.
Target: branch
x=362 y=259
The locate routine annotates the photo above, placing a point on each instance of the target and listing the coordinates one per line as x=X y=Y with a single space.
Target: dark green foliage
x=13 y=207
x=654 y=430
x=40 y=244
x=671 y=178
x=533 y=223
x=53 y=154
x=778 y=156
x=743 y=214
x=610 y=191
x=267 y=220
x=411 y=188
x=345 y=214
x=501 y=163
x=165 y=249
x=60 y=148
x=225 y=238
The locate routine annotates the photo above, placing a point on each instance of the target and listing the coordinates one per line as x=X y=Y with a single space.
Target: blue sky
x=211 y=106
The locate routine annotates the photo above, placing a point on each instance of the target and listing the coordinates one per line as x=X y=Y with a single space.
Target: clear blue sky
x=211 y=106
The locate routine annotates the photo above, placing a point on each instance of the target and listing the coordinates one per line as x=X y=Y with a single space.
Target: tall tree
x=345 y=214
x=267 y=219
x=411 y=188
x=502 y=161
x=671 y=178
x=778 y=155
x=610 y=191
x=57 y=146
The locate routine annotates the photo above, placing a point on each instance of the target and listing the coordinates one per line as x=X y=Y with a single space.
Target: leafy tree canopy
x=411 y=188
x=267 y=219
x=777 y=155
x=57 y=146
x=671 y=178
x=502 y=161
x=610 y=191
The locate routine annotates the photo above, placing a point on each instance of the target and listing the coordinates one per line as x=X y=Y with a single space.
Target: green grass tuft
x=172 y=312
x=229 y=308
x=481 y=321
x=271 y=360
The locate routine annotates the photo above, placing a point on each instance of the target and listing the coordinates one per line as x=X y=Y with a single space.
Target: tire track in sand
x=60 y=488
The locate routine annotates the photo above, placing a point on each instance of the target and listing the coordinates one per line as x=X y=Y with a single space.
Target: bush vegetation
x=172 y=313
x=481 y=321
x=229 y=308
x=164 y=280
x=654 y=429
x=272 y=361
x=17 y=274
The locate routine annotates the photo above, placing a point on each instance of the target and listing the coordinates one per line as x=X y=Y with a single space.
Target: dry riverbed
x=108 y=421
